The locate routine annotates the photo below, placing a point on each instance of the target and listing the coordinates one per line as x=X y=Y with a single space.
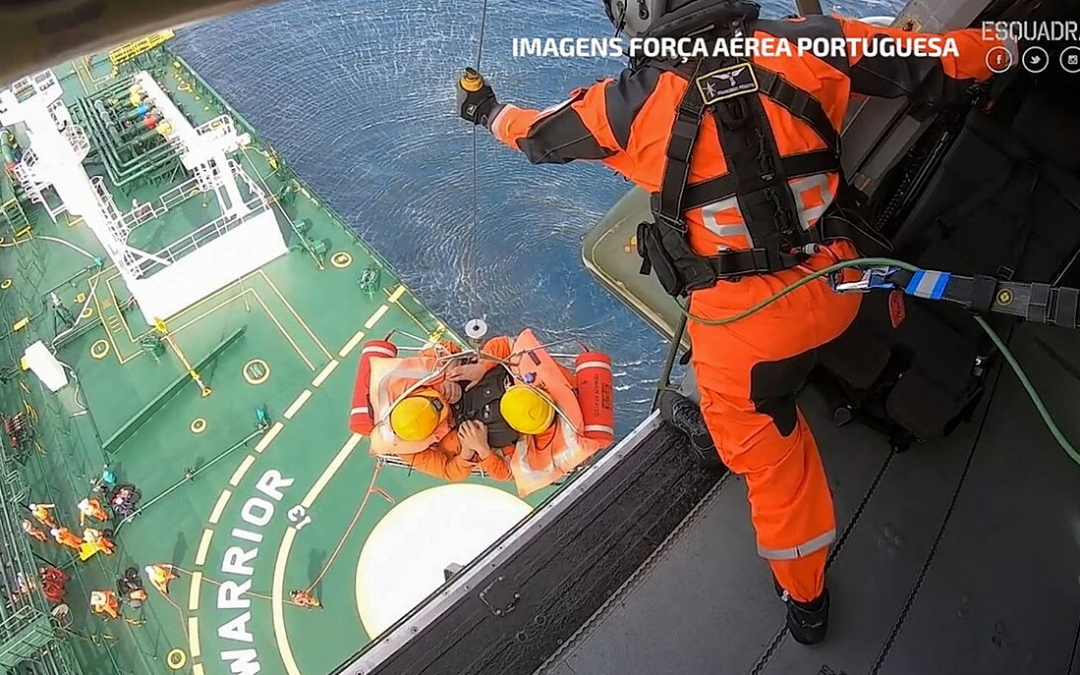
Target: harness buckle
x=873 y=279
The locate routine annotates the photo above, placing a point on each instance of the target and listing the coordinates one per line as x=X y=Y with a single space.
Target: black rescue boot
x=683 y=414
x=806 y=621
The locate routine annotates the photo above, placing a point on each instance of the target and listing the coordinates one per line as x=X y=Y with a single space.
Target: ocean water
x=358 y=97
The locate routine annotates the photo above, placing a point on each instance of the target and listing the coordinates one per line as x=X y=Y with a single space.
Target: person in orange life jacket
x=484 y=429
x=742 y=159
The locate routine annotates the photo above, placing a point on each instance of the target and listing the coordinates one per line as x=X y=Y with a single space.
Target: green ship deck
x=246 y=509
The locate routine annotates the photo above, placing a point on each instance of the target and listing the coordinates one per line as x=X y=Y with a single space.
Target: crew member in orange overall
x=160 y=576
x=29 y=528
x=98 y=541
x=41 y=512
x=467 y=393
x=105 y=602
x=741 y=156
x=304 y=599
x=91 y=508
x=66 y=537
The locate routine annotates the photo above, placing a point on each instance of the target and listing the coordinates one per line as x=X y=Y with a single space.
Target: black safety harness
x=757 y=175
x=481 y=403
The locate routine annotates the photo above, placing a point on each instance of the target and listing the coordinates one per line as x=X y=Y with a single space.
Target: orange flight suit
x=749 y=373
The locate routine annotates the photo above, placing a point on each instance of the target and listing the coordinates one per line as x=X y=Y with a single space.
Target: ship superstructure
x=184 y=318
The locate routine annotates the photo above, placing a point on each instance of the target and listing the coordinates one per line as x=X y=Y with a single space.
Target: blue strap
x=928 y=284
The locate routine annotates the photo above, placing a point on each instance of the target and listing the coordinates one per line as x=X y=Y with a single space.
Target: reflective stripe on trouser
x=800 y=551
x=749 y=374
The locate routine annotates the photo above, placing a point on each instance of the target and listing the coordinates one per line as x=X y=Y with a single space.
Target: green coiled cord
x=865 y=263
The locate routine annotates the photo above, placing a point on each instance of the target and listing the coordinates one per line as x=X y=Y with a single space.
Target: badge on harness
x=727 y=83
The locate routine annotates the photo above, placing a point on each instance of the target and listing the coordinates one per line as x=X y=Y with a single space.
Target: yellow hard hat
x=415 y=417
x=525 y=410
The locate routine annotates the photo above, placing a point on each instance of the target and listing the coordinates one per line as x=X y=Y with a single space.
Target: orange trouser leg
x=748 y=375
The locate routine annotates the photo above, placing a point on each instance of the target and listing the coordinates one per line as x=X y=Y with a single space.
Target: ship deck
x=245 y=512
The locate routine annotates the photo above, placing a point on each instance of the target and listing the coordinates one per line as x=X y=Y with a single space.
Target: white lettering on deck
x=237 y=629
x=257 y=512
x=298 y=517
x=229 y=592
x=242 y=661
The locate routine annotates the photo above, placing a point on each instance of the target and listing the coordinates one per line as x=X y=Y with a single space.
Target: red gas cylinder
x=596 y=397
x=361 y=420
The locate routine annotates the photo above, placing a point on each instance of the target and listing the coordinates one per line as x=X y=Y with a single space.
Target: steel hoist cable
x=470 y=270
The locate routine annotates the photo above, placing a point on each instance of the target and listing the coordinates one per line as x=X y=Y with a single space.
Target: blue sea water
x=358 y=96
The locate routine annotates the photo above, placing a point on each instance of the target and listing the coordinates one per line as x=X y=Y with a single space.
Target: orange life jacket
x=391 y=381
x=577 y=435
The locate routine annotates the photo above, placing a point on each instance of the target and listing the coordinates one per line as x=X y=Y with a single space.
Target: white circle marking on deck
x=404 y=558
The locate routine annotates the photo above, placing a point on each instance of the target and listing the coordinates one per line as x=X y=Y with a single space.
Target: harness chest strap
x=757 y=175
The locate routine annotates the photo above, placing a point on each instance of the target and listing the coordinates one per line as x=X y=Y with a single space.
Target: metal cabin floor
x=958 y=556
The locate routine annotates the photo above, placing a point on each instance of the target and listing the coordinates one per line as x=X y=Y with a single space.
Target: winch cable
x=868 y=263
x=471 y=269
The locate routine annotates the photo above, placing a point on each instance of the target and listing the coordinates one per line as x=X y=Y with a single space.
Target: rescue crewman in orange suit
x=160 y=576
x=29 y=528
x=742 y=170
x=43 y=515
x=467 y=446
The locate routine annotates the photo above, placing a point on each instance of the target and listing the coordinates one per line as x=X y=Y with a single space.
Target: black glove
x=475 y=105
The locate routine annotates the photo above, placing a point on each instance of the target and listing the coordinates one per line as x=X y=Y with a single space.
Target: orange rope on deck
x=218 y=583
x=183 y=619
x=356 y=519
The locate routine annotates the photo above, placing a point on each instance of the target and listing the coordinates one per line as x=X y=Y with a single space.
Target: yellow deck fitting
x=130 y=50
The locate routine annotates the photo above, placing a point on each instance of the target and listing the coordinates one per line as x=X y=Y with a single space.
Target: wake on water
x=359 y=99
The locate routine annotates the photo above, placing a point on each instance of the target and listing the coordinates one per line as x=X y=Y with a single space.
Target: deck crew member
x=28 y=527
x=96 y=541
x=486 y=413
x=43 y=514
x=105 y=602
x=91 y=508
x=66 y=537
x=742 y=159
x=302 y=598
x=160 y=575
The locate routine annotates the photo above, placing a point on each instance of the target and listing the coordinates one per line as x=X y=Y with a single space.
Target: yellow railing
x=130 y=50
